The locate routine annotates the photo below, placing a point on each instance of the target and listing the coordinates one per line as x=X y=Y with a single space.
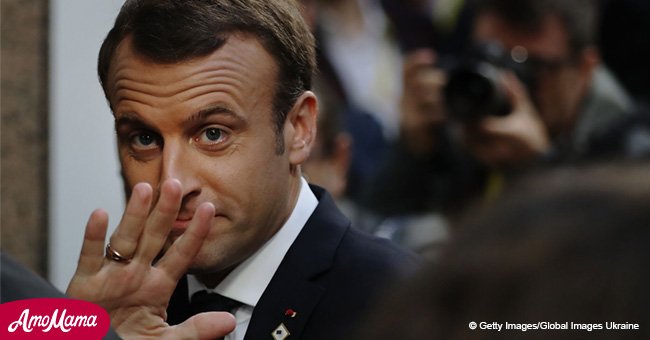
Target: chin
x=204 y=262
x=199 y=269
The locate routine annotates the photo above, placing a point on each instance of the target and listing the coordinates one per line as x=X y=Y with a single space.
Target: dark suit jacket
x=330 y=277
x=17 y=282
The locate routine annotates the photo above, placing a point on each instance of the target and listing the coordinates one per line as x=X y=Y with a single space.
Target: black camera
x=474 y=88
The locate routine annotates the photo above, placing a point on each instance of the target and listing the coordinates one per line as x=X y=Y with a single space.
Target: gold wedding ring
x=114 y=255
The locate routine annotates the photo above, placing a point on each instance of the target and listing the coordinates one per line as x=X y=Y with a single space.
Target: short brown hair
x=171 y=31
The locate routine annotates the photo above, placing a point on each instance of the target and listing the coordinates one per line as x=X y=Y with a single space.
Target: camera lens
x=474 y=92
x=474 y=89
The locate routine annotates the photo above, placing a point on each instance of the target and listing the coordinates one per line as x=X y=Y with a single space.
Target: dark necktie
x=204 y=301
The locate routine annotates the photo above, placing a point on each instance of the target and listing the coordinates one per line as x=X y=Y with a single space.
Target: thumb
x=208 y=325
x=515 y=90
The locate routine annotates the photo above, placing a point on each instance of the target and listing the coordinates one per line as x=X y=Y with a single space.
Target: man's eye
x=211 y=136
x=144 y=141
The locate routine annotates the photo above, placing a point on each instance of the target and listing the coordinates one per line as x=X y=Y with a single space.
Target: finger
x=428 y=92
x=125 y=238
x=160 y=221
x=181 y=254
x=429 y=83
x=516 y=92
x=92 y=249
x=208 y=325
x=493 y=125
x=416 y=60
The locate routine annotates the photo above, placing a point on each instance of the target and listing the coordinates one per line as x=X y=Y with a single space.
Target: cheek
x=544 y=88
x=247 y=173
x=266 y=182
x=572 y=84
x=558 y=89
x=134 y=172
x=547 y=97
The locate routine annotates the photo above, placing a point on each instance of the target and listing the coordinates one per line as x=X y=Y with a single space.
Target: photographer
x=561 y=105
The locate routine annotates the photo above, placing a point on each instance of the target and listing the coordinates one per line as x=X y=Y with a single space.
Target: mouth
x=178 y=228
x=181 y=224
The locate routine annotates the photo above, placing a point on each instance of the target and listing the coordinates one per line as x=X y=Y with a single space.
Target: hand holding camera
x=485 y=92
x=422 y=105
x=513 y=139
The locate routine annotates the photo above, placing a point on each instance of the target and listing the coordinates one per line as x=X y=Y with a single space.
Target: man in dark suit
x=214 y=114
x=326 y=278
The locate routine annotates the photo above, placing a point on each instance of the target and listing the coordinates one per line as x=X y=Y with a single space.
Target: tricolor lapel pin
x=290 y=313
x=280 y=333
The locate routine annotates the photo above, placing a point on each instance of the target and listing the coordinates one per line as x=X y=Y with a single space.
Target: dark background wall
x=24 y=135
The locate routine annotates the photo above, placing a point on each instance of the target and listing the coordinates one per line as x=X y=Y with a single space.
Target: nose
x=177 y=163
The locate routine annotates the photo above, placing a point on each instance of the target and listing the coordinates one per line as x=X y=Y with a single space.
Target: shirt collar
x=247 y=282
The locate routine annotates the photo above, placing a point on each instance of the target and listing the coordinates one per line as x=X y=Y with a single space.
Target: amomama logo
x=52 y=319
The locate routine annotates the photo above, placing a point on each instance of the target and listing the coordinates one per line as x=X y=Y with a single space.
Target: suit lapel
x=294 y=288
x=290 y=305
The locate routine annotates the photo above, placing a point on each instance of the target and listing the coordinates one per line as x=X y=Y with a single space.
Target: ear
x=300 y=128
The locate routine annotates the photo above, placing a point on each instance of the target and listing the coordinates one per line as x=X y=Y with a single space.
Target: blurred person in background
x=566 y=245
x=359 y=61
x=530 y=91
x=355 y=36
x=329 y=162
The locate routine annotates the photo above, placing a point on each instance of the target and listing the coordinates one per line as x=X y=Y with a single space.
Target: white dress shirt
x=247 y=282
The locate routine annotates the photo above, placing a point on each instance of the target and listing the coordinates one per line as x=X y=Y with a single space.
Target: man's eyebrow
x=133 y=119
x=128 y=118
x=214 y=110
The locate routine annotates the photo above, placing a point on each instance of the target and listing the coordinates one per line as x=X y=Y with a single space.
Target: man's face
x=560 y=78
x=207 y=122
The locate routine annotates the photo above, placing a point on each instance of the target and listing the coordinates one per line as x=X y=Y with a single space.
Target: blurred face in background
x=562 y=78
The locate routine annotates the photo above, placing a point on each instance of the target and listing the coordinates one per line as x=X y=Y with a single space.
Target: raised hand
x=134 y=290
x=512 y=140
x=422 y=112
